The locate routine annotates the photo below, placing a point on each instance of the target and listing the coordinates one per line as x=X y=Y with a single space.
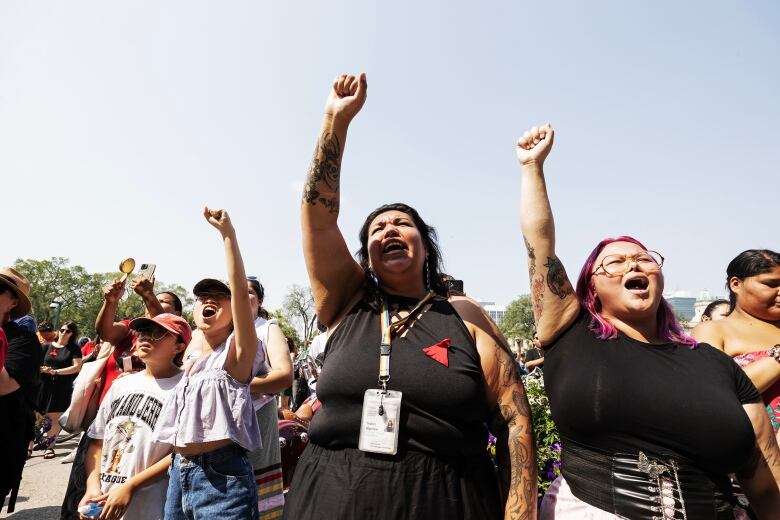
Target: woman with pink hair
x=651 y=423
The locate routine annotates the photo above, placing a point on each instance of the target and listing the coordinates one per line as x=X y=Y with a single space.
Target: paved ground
x=43 y=486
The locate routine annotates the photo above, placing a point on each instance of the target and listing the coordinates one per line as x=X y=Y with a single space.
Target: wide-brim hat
x=210 y=286
x=21 y=288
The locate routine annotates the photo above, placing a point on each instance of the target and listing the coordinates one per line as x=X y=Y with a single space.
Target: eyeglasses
x=617 y=265
x=151 y=335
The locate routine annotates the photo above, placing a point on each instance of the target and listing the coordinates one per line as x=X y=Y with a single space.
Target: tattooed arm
x=760 y=478
x=554 y=302
x=335 y=276
x=510 y=419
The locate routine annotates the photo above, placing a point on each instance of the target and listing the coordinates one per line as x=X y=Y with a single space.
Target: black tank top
x=444 y=409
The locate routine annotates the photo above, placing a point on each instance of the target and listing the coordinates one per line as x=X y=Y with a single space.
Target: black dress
x=56 y=389
x=442 y=468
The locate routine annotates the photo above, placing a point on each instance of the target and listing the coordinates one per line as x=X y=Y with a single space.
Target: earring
x=373 y=278
x=427 y=275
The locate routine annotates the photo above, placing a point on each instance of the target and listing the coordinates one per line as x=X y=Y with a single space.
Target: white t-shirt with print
x=126 y=420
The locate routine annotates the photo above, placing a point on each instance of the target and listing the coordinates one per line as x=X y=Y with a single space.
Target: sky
x=119 y=121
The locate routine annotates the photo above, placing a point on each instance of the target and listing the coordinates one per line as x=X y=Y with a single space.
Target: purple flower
x=556 y=446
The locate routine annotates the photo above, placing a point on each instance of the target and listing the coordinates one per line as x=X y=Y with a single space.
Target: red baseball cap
x=170 y=322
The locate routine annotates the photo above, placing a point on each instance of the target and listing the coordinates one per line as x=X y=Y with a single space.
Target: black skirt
x=350 y=484
x=55 y=393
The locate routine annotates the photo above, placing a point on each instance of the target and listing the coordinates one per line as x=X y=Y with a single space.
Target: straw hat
x=21 y=288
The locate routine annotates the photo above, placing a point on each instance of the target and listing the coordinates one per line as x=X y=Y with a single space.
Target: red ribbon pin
x=439 y=351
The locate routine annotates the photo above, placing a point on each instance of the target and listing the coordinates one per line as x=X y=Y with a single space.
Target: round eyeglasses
x=617 y=265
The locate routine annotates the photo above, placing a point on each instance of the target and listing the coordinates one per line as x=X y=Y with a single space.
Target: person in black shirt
x=60 y=364
x=651 y=423
x=447 y=358
x=534 y=358
x=19 y=382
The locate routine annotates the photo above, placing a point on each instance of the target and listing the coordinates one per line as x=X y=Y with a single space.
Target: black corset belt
x=642 y=486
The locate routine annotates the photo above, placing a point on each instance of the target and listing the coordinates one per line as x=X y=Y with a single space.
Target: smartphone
x=91 y=510
x=146 y=271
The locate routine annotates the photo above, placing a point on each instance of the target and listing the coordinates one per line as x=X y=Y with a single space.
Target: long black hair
x=749 y=263
x=429 y=238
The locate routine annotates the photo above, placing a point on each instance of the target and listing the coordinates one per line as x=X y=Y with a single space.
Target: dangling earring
x=373 y=278
x=427 y=275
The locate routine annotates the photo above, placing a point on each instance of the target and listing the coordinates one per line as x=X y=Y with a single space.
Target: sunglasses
x=3 y=287
x=66 y=331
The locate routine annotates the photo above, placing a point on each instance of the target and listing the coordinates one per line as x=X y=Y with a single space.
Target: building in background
x=688 y=308
x=683 y=304
x=496 y=312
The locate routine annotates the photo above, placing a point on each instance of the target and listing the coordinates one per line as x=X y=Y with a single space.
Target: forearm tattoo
x=322 y=181
x=557 y=280
x=769 y=457
x=531 y=258
x=511 y=424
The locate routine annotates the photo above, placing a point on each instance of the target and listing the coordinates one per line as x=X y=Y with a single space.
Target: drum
x=293 y=438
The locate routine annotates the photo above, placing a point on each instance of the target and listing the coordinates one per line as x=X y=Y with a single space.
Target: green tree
x=287 y=329
x=518 y=321
x=81 y=293
x=298 y=308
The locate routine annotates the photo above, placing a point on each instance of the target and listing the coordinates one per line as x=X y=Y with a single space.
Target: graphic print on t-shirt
x=140 y=410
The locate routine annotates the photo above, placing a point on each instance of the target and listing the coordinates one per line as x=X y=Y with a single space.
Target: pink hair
x=668 y=327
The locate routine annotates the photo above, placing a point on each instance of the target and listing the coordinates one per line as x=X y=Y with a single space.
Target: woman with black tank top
x=422 y=454
x=651 y=424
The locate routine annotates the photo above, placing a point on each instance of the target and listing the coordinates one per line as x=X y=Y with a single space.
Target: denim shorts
x=218 y=484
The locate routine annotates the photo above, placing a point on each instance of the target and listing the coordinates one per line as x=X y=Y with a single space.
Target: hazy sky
x=119 y=121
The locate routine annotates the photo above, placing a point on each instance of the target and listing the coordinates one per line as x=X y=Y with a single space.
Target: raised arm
x=113 y=332
x=554 y=302
x=241 y=358
x=335 y=276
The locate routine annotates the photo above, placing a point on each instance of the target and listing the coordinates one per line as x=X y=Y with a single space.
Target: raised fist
x=220 y=219
x=114 y=292
x=347 y=96
x=535 y=144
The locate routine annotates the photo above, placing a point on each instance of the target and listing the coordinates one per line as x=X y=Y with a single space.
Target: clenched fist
x=535 y=144
x=220 y=219
x=347 y=96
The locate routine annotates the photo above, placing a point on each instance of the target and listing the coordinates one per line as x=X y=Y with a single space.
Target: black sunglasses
x=3 y=287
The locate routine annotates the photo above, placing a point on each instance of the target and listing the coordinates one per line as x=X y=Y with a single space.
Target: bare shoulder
x=710 y=332
x=473 y=314
x=482 y=328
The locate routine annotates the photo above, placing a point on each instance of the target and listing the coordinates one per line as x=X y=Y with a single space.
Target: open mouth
x=209 y=311
x=392 y=246
x=637 y=284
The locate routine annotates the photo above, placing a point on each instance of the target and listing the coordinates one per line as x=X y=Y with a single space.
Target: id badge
x=379 y=433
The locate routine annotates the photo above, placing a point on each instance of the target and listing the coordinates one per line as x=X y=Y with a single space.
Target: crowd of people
x=407 y=380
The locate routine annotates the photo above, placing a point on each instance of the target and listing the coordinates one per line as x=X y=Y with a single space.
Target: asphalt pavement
x=43 y=486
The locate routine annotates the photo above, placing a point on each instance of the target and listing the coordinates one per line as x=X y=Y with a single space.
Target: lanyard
x=387 y=336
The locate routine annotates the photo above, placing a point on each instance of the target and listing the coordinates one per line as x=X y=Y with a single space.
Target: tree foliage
x=287 y=329
x=80 y=293
x=298 y=308
x=518 y=321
